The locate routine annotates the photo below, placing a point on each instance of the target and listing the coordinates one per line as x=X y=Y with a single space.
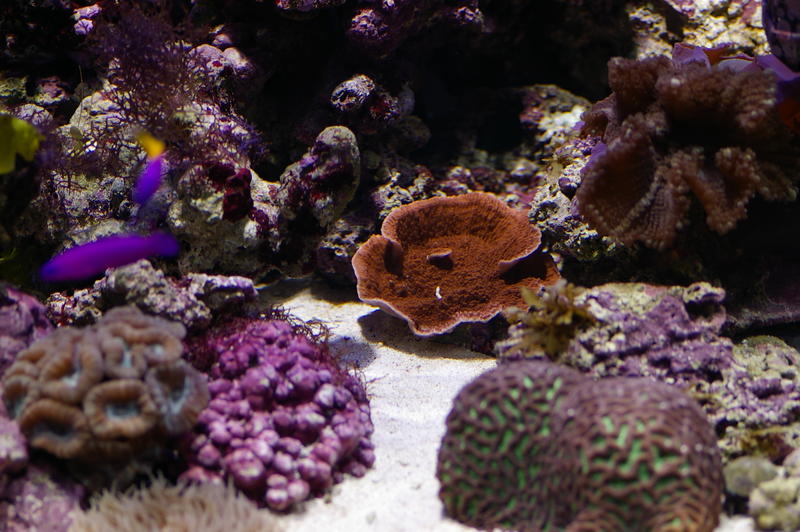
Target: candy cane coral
x=447 y=260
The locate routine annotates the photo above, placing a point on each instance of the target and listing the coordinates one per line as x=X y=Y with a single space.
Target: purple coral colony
x=599 y=197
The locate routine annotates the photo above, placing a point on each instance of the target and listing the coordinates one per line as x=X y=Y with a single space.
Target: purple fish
x=149 y=180
x=88 y=260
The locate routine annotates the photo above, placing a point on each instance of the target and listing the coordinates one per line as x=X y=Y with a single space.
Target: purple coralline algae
x=13 y=446
x=672 y=334
x=284 y=422
x=39 y=499
x=190 y=300
x=23 y=320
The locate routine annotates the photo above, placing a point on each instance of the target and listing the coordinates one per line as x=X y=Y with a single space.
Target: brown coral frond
x=96 y=403
x=627 y=195
x=725 y=189
x=121 y=363
x=674 y=129
x=180 y=392
x=443 y=261
x=633 y=82
x=55 y=427
x=120 y=409
x=154 y=343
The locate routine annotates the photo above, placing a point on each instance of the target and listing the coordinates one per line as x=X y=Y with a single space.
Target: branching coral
x=284 y=421
x=673 y=130
x=533 y=445
x=448 y=260
x=182 y=507
x=105 y=391
x=551 y=321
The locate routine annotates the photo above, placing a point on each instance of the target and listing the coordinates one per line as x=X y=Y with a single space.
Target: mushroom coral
x=447 y=260
x=672 y=129
x=538 y=446
x=105 y=391
x=182 y=507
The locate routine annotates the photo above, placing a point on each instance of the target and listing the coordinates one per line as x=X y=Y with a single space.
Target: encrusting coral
x=284 y=421
x=694 y=126
x=447 y=260
x=174 y=508
x=107 y=391
x=533 y=445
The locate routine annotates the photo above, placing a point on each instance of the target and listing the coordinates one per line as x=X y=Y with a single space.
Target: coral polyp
x=284 y=422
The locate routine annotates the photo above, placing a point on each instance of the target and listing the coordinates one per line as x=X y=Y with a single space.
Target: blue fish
x=150 y=178
x=89 y=260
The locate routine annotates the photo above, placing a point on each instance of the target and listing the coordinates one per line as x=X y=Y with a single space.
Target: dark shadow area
x=380 y=327
x=351 y=353
x=337 y=295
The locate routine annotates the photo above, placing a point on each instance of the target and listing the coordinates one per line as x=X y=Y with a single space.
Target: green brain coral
x=537 y=446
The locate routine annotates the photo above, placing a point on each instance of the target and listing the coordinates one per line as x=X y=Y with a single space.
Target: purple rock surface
x=23 y=320
x=284 y=421
x=190 y=300
x=38 y=500
x=781 y=19
x=672 y=334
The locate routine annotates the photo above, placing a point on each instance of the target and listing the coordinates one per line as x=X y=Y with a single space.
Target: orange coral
x=447 y=260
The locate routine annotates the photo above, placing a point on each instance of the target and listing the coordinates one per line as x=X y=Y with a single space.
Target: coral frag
x=693 y=126
x=532 y=445
x=284 y=421
x=447 y=260
x=105 y=392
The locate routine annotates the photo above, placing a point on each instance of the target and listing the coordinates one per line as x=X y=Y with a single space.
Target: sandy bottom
x=411 y=382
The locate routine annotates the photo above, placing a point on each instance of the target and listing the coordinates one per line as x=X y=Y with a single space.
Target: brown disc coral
x=447 y=260
x=676 y=130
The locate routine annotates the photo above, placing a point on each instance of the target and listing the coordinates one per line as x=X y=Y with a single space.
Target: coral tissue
x=107 y=391
x=447 y=260
x=697 y=126
x=539 y=446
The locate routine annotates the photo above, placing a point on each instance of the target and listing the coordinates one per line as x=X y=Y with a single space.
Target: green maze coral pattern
x=490 y=461
x=537 y=446
x=647 y=457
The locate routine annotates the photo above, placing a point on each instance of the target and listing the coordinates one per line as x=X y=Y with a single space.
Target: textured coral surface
x=284 y=421
x=673 y=130
x=105 y=392
x=443 y=261
x=533 y=445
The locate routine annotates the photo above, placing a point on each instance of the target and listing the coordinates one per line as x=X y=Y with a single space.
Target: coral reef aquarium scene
x=399 y=265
